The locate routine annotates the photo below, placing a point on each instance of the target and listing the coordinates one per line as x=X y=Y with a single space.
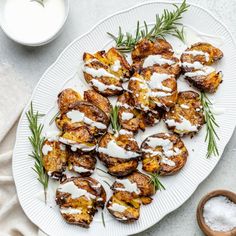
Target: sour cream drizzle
x=117 y=207
x=75 y=191
x=156 y=59
x=128 y=186
x=102 y=87
x=77 y=116
x=114 y=150
x=70 y=211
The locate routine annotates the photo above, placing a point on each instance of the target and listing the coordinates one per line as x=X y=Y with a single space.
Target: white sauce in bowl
x=30 y=23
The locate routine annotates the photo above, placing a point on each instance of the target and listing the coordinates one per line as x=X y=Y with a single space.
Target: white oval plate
x=179 y=187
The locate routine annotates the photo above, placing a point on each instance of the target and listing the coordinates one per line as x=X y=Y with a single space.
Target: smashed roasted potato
x=106 y=71
x=82 y=163
x=83 y=113
x=131 y=118
x=163 y=153
x=66 y=98
x=119 y=152
x=54 y=158
x=195 y=64
x=129 y=194
x=98 y=100
x=186 y=117
x=79 y=139
x=78 y=199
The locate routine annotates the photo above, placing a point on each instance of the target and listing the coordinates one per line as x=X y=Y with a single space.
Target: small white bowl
x=36 y=42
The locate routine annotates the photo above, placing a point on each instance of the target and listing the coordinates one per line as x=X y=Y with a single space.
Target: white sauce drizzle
x=159 y=94
x=62 y=147
x=125 y=132
x=128 y=186
x=196 y=65
x=156 y=59
x=75 y=191
x=116 y=66
x=197 y=53
x=184 y=106
x=98 y=73
x=127 y=116
x=117 y=207
x=77 y=116
x=70 y=210
x=184 y=125
x=46 y=149
x=114 y=150
x=203 y=72
x=125 y=105
x=102 y=87
x=81 y=169
x=156 y=81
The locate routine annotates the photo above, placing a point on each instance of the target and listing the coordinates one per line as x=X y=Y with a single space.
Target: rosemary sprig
x=41 y=2
x=54 y=118
x=156 y=182
x=103 y=220
x=211 y=125
x=166 y=24
x=114 y=119
x=36 y=141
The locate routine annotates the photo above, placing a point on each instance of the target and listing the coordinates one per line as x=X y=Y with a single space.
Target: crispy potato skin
x=193 y=114
x=55 y=161
x=215 y=54
x=140 y=119
x=131 y=200
x=107 y=61
x=84 y=160
x=66 y=98
x=145 y=48
x=80 y=135
x=87 y=206
x=209 y=82
x=98 y=100
x=118 y=166
x=91 y=111
x=153 y=164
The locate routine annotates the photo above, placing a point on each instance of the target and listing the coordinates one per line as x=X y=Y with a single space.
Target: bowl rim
x=42 y=42
x=200 y=219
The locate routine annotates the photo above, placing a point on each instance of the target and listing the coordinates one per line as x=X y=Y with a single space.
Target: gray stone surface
x=30 y=63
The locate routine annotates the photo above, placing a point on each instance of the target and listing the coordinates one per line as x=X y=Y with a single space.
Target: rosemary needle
x=36 y=141
x=114 y=119
x=156 y=182
x=211 y=126
x=166 y=24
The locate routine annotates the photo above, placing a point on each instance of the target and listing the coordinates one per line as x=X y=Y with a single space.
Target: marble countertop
x=31 y=63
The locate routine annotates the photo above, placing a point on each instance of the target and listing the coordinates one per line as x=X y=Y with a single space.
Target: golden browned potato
x=119 y=153
x=131 y=118
x=126 y=212
x=163 y=153
x=204 y=53
x=54 y=158
x=82 y=163
x=145 y=47
x=186 y=117
x=79 y=139
x=66 y=98
x=106 y=71
x=78 y=199
x=195 y=63
x=98 y=100
x=83 y=114
x=128 y=195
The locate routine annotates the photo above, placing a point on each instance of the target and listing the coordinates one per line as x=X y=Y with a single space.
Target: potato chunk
x=163 y=153
x=186 y=117
x=78 y=199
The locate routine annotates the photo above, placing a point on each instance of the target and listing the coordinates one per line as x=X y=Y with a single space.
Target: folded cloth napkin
x=14 y=94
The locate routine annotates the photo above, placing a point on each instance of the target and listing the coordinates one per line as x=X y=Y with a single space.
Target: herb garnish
x=211 y=125
x=156 y=182
x=114 y=119
x=36 y=141
x=41 y=2
x=166 y=24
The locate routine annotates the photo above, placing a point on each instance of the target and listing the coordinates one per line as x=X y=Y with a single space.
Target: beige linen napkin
x=14 y=94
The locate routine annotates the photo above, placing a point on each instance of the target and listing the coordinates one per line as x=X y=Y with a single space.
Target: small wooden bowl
x=201 y=222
